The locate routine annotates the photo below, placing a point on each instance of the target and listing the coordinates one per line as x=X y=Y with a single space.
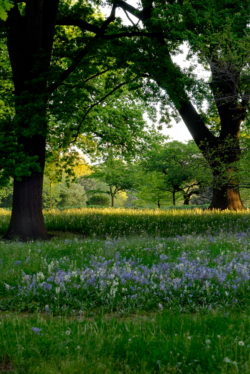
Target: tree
x=59 y=66
x=152 y=190
x=117 y=176
x=217 y=33
x=178 y=167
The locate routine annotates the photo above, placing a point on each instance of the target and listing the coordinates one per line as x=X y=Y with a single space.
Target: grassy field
x=128 y=291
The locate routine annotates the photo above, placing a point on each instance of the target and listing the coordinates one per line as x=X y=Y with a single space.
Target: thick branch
x=82 y=53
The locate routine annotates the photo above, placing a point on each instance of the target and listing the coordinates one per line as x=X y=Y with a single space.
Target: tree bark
x=27 y=222
x=226 y=198
x=174 y=198
x=30 y=41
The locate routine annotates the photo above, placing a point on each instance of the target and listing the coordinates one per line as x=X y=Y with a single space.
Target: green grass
x=110 y=222
x=105 y=330
x=152 y=343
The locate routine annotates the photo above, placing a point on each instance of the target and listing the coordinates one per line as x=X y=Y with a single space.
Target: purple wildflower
x=36 y=330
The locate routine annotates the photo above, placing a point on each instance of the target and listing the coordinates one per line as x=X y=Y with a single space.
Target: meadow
x=128 y=291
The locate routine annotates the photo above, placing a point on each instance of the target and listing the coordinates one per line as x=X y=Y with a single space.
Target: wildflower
x=46 y=309
x=218 y=336
x=36 y=330
x=241 y=343
x=40 y=276
x=208 y=341
x=226 y=359
x=57 y=289
x=78 y=347
x=67 y=332
x=160 y=307
x=18 y=263
x=7 y=286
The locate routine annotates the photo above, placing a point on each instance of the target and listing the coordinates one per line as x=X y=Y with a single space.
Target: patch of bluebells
x=124 y=281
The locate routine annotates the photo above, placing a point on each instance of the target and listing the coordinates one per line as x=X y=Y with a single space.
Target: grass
x=173 y=300
x=101 y=223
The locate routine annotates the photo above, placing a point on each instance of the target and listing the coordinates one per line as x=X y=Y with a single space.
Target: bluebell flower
x=18 y=263
x=36 y=330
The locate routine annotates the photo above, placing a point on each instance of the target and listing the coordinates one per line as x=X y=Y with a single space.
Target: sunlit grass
x=119 y=222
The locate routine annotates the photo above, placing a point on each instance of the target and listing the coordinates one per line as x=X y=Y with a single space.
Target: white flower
x=189 y=337
x=218 y=336
x=226 y=293
x=66 y=277
x=241 y=343
x=67 y=332
x=7 y=286
x=208 y=341
x=78 y=347
x=57 y=289
x=226 y=359
x=40 y=276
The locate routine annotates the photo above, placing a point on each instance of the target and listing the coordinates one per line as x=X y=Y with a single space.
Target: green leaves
x=5 y=6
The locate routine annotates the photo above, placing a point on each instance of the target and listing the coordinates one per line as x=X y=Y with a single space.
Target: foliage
x=98 y=200
x=55 y=194
x=72 y=195
x=116 y=174
x=6 y=195
x=5 y=5
x=174 y=167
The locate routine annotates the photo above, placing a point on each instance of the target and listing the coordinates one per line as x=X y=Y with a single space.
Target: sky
x=179 y=130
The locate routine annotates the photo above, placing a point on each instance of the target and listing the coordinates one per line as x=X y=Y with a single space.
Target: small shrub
x=98 y=200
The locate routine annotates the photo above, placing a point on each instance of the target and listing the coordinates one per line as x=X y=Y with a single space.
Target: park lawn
x=128 y=304
x=160 y=342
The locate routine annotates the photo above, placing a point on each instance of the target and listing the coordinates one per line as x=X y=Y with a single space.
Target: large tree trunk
x=226 y=194
x=30 y=42
x=27 y=220
x=226 y=198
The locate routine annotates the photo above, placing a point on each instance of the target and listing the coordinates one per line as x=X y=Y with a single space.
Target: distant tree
x=68 y=166
x=51 y=199
x=116 y=174
x=71 y=195
x=180 y=169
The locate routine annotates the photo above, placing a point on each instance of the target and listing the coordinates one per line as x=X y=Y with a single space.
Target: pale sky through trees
x=179 y=130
